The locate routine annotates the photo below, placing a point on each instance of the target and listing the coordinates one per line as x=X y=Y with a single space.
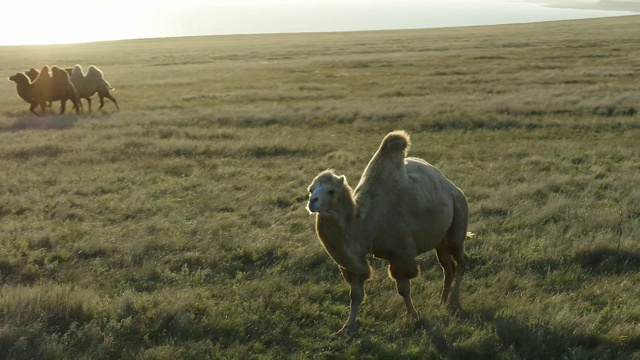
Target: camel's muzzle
x=314 y=204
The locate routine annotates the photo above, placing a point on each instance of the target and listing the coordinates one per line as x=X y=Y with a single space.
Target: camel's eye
x=331 y=192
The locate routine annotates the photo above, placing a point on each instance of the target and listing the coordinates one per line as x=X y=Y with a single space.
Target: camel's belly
x=404 y=240
x=428 y=238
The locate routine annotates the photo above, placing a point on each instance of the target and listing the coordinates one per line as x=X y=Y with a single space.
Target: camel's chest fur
x=343 y=245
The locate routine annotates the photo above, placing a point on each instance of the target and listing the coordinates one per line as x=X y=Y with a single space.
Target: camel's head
x=324 y=192
x=19 y=78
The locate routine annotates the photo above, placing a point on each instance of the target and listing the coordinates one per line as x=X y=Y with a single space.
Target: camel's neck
x=24 y=91
x=341 y=234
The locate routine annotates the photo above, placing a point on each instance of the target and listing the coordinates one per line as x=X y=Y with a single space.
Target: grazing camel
x=91 y=83
x=50 y=85
x=401 y=208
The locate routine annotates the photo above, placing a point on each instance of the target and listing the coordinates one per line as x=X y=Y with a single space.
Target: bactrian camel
x=402 y=207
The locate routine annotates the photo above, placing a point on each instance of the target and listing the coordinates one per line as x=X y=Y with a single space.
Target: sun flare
x=96 y=22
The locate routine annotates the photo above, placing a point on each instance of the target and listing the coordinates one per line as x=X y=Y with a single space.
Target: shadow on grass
x=522 y=338
x=53 y=122
x=606 y=260
x=539 y=341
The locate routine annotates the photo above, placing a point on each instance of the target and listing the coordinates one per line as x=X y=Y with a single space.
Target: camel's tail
x=396 y=142
x=104 y=85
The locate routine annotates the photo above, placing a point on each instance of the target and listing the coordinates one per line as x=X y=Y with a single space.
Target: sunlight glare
x=73 y=22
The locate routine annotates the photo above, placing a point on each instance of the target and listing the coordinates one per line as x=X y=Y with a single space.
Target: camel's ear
x=341 y=180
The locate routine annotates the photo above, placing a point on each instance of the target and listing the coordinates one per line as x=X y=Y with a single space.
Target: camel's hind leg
x=89 y=102
x=448 y=268
x=455 y=243
x=461 y=266
x=108 y=96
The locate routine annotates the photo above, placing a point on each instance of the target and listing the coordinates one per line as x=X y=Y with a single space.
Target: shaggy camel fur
x=50 y=85
x=91 y=83
x=33 y=74
x=401 y=208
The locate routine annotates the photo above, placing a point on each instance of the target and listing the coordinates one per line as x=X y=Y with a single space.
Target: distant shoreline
x=607 y=5
x=305 y=18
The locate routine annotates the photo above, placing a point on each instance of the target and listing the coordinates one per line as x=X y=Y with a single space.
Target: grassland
x=176 y=229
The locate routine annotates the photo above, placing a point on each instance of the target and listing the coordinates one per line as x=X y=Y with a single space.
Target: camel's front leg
x=402 y=273
x=63 y=106
x=356 y=284
x=404 y=289
x=33 y=106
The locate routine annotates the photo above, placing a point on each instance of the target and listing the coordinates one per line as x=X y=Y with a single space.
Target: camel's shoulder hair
x=387 y=163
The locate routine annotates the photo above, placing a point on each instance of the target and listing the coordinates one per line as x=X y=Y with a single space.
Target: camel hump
x=76 y=71
x=44 y=75
x=94 y=73
x=32 y=74
x=395 y=142
x=59 y=72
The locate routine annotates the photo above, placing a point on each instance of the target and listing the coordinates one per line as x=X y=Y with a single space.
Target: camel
x=50 y=85
x=33 y=74
x=91 y=83
x=402 y=207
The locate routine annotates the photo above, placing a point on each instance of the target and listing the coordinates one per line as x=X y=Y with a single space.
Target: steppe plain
x=176 y=228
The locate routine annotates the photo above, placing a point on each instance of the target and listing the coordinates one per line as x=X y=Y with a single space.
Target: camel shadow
x=99 y=115
x=608 y=260
x=52 y=122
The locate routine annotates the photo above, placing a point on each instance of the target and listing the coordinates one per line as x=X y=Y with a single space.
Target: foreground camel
x=401 y=208
x=49 y=85
x=33 y=75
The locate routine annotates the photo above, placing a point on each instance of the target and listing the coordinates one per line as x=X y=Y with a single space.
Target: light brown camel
x=90 y=83
x=401 y=208
x=50 y=85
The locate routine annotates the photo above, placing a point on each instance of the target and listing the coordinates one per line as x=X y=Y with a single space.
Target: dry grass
x=176 y=228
